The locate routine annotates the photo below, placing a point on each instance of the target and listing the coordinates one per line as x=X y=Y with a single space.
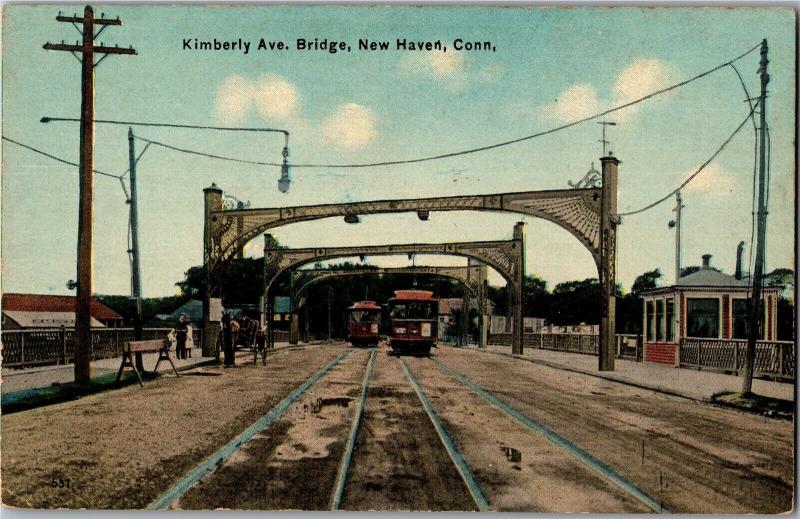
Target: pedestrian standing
x=181 y=334
x=227 y=338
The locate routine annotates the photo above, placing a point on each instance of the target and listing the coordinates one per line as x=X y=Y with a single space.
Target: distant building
x=497 y=324
x=193 y=308
x=26 y=311
x=447 y=309
x=706 y=304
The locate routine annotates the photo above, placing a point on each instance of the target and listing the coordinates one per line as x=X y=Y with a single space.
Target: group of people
x=245 y=332
x=233 y=332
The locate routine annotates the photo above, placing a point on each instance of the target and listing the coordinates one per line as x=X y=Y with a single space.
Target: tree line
x=570 y=302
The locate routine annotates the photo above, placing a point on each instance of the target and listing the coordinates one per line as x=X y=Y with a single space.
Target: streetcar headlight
x=399 y=330
x=426 y=329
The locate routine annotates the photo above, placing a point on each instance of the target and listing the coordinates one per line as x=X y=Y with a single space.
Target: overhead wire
x=697 y=171
x=471 y=150
x=755 y=169
x=58 y=159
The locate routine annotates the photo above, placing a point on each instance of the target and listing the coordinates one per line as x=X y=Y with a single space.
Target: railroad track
x=340 y=485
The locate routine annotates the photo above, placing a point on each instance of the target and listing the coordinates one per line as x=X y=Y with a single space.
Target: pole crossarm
x=472 y=276
x=96 y=21
x=576 y=210
x=97 y=49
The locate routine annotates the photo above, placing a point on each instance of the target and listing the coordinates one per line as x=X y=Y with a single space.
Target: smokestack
x=706 y=261
x=739 y=251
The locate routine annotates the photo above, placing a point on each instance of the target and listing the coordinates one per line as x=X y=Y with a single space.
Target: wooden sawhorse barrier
x=157 y=345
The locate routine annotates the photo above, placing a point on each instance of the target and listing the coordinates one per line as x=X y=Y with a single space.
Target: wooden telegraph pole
x=761 y=228
x=88 y=49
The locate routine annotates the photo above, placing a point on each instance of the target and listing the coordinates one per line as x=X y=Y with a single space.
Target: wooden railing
x=22 y=348
x=774 y=359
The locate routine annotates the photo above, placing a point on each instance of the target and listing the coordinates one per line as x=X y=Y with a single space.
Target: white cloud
x=350 y=126
x=576 y=102
x=713 y=179
x=273 y=97
x=449 y=69
x=643 y=76
x=234 y=98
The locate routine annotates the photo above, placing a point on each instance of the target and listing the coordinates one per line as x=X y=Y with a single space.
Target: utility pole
x=677 y=224
x=88 y=49
x=604 y=124
x=330 y=289
x=133 y=222
x=754 y=333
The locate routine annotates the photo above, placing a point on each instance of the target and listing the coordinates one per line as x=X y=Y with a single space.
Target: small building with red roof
x=25 y=311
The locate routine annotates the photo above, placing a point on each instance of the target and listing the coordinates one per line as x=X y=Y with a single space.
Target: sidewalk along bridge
x=586 y=213
x=472 y=277
x=506 y=256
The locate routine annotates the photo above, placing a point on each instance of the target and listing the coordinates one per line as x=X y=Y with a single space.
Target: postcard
x=399 y=258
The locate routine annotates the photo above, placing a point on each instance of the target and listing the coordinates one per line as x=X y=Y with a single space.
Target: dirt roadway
x=517 y=469
x=694 y=457
x=292 y=464
x=121 y=449
x=399 y=462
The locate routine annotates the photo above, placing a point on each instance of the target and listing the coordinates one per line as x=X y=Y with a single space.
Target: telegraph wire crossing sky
x=367 y=107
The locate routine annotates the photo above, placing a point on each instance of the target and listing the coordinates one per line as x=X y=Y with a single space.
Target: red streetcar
x=413 y=317
x=363 y=323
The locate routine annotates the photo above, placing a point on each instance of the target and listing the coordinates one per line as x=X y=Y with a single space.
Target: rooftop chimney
x=739 y=251
x=706 y=261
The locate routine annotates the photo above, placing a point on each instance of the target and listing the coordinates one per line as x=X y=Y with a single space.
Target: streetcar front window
x=413 y=310
x=362 y=316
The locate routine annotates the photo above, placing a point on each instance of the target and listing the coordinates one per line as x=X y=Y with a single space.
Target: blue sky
x=550 y=66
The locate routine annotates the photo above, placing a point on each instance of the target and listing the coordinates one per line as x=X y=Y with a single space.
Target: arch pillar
x=517 y=328
x=212 y=299
x=607 y=268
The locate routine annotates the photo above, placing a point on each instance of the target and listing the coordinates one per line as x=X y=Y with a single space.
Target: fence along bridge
x=586 y=213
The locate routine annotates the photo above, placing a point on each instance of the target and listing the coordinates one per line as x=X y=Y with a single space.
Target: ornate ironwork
x=472 y=277
x=576 y=210
x=504 y=256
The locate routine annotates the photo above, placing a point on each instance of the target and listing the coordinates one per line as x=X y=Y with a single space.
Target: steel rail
x=605 y=471
x=172 y=494
x=450 y=446
x=344 y=466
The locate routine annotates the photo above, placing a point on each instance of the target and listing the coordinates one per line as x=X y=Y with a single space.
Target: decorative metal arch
x=471 y=276
x=576 y=210
x=589 y=214
x=506 y=256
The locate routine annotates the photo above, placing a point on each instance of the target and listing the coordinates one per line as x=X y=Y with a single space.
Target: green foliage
x=646 y=281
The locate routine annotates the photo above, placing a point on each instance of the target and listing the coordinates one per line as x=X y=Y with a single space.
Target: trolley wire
x=58 y=159
x=471 y=150
x=755 y=167
x=697 y=171
x=204 y=154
